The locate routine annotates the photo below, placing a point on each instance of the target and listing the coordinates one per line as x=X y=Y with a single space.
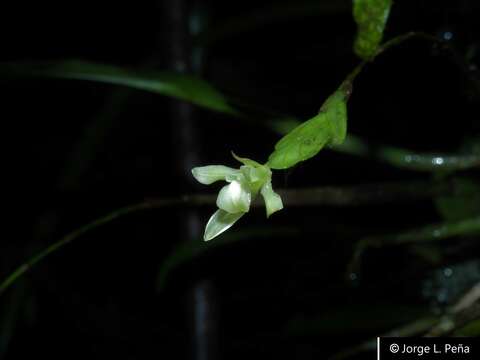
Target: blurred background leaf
x=463 y=203
x=180 y=86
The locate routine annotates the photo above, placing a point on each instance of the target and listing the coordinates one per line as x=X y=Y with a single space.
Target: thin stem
x=395 y=156
x=405 y=37
x=408 y=159
x=352 y=196
x=435 y=232
x=429 y=233
x=363 y=194
x=65 y=240
x=390 y=44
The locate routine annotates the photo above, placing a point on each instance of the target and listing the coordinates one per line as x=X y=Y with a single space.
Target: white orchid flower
x=234 y=199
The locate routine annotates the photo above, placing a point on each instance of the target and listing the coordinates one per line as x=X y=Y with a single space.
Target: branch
x=364 y=194
x=408 y=159
x=333 y=196
x=466 y=310
x=430 y=233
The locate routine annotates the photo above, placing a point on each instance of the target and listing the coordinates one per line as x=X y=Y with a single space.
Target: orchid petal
x=273 y=201
x=209 y=174
x=219 y=222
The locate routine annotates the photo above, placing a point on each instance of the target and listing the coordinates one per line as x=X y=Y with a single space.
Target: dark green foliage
x=371 y=17
x=329 y=127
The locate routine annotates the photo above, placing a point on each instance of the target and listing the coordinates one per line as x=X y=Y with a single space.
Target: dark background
x=274 y=296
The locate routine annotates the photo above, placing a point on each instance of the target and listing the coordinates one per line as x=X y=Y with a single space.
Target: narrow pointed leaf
x=371 y=17
x=176 y=85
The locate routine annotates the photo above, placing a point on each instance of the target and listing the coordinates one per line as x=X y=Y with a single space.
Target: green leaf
x=176 y=85
x=371 y=17
x=329 y=127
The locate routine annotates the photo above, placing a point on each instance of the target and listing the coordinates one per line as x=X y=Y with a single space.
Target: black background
x=275 y=297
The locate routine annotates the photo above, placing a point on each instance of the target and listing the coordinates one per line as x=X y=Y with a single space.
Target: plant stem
x=67 y=239
x=331 y=196
x=430 y=233
x=408 y=159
